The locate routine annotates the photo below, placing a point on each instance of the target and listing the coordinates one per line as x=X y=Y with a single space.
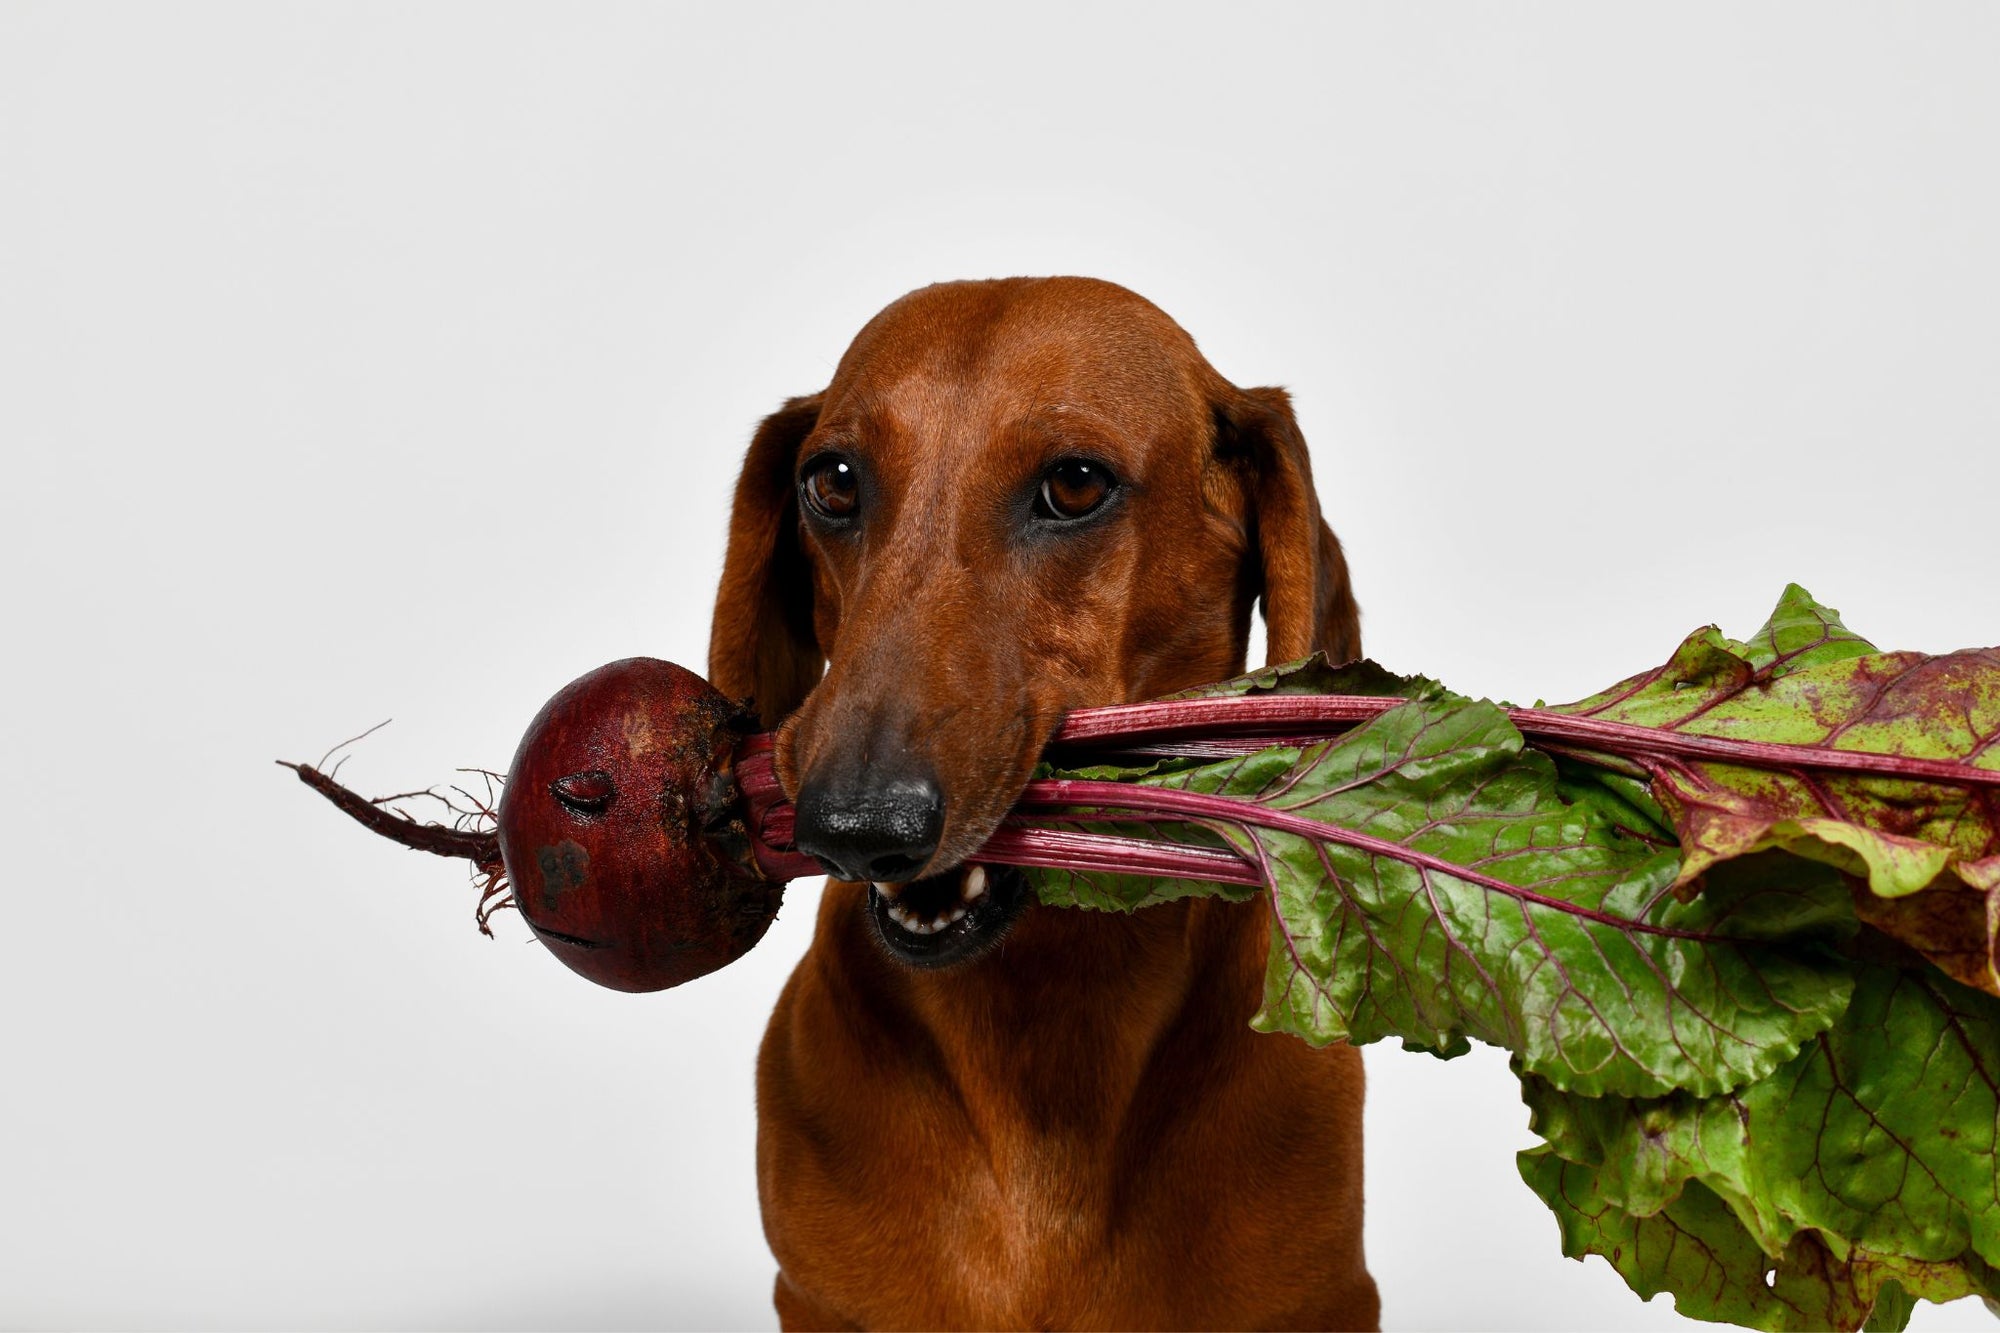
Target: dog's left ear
x=1307 y=600
x=761 y=642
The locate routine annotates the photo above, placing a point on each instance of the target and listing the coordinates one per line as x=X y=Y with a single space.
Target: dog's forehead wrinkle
x=921 y=428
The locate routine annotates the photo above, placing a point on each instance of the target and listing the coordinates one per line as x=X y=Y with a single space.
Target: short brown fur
x=1077 y=1129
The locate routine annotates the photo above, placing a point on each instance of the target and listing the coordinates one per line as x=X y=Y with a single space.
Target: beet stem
x=1244 y=724
x=1215 y=728
x=1068 y=794
x=1016 y=843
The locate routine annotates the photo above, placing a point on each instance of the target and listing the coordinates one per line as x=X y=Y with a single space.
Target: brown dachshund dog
x=1017 y=498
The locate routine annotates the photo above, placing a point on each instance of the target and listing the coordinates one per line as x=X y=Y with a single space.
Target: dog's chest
x=1000 y=1218
x=1028 y=1235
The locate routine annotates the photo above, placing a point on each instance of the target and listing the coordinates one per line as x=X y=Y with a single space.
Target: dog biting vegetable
x=1737 y=918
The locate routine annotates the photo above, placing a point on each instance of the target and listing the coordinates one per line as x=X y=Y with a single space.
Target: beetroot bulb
x=611 y=826
x=617 y=830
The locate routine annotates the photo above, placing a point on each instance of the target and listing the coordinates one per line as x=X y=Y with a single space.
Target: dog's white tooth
x=889 y=891
x=957 y=914
x=901 y=916
x=973 y=887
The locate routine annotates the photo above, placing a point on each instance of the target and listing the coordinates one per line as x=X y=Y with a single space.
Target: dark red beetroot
x=608 y=825
x=615 y=829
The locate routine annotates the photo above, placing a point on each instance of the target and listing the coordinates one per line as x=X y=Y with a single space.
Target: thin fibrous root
x=495 y=895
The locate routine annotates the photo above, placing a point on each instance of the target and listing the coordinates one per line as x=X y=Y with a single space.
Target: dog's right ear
x=761 y=642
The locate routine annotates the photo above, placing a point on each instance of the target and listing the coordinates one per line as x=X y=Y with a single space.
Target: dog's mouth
x=947 y=919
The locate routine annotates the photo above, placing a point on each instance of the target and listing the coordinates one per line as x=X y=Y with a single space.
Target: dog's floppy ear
x=1308 y=602
x=761 y=643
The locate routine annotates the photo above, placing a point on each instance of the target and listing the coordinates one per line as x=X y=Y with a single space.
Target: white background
x=370 y=361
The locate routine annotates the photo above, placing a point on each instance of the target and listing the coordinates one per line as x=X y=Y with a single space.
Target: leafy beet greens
x=1747 y=970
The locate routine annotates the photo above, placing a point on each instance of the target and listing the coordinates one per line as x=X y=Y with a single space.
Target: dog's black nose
x=881 y=832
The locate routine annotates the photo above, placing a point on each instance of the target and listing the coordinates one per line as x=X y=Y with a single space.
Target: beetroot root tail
x=482 y=849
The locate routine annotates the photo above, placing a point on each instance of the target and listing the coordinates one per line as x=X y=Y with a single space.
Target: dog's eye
x=1074 y=488
x=831 y=488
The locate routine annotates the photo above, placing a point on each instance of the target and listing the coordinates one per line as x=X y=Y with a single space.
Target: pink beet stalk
x=1245 y=724
x=1219 y=728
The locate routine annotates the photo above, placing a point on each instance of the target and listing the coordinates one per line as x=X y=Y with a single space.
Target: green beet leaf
x=1881 y=1133
x=1698 y=1249
x=1929 y=852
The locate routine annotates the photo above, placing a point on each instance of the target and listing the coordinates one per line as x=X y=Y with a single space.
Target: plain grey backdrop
x=360 y=361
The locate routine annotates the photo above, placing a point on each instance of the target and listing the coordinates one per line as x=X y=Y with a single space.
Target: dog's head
x=1015 y=498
